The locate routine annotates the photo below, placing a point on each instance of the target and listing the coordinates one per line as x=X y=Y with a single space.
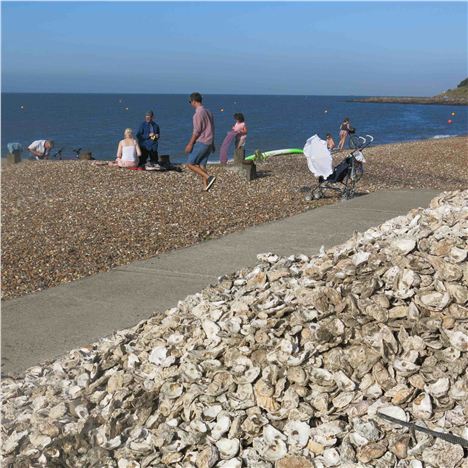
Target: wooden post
x=14 y=157
x=250 y=170
x=245 y=168
x=239 y=156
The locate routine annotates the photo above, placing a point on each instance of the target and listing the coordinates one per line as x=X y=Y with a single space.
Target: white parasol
x=318 y=157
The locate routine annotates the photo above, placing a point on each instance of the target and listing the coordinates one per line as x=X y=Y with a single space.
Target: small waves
x=438 y=137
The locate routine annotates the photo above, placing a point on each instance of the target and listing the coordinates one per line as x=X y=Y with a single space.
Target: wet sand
x=66 y=220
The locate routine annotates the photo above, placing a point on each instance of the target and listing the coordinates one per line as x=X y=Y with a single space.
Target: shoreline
x=62 y=222
x=217 y=163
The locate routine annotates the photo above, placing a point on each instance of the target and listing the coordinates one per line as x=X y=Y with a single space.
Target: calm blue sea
x=96 y=121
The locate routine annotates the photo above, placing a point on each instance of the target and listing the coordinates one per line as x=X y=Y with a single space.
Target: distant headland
x=453 y=97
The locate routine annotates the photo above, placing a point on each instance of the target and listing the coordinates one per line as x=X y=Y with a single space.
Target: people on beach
x=345 y=128
x=237 y=134
x=201 y=143
x=148 y=135
x=40 y=149
x=330 y=142
x=240 y=128
x=128 y=151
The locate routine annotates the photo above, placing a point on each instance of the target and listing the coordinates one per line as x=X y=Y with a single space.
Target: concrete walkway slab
x=41 y=326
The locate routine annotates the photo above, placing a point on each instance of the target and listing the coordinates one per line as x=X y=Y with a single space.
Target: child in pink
x=241 y=129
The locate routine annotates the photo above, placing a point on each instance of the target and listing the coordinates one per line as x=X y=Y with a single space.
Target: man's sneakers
x=210 y=182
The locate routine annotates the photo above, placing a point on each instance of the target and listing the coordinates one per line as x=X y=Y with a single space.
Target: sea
x=96 y=122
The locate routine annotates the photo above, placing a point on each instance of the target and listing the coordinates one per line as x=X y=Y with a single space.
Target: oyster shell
x=290 y=363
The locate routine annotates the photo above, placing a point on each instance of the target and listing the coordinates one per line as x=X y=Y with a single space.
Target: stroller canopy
x=318 y=157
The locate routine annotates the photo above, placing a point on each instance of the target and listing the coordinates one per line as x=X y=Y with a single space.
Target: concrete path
x=43 y=325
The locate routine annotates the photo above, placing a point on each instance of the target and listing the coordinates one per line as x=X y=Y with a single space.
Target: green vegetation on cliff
x=460 y=91
x=452 y=97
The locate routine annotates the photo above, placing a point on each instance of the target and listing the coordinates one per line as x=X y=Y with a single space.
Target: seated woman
x=128 y=152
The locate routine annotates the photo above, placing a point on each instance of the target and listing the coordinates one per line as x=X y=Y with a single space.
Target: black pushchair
x=343 y=177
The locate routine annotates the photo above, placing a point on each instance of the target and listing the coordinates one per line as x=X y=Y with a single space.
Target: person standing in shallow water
x=148 y=136
x=201 y=143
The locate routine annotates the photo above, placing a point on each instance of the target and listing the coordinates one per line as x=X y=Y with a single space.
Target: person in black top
x=148 y=136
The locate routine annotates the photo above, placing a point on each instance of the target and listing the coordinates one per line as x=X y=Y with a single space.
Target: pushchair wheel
x=316 y=194
x=348 y=193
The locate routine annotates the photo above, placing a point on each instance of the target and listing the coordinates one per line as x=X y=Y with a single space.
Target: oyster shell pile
x=287 y=364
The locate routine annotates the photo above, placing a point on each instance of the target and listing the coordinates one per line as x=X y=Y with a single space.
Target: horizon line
x=212 y=94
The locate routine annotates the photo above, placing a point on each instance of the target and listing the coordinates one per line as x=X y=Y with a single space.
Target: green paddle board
x=259 y=156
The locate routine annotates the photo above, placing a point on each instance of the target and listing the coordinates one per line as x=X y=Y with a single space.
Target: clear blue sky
x=240 y=48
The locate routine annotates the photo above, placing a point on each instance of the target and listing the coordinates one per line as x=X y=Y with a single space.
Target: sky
x=352 y=48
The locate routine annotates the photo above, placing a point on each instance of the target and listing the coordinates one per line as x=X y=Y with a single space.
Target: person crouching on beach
x=201 y=144
x=128 y=151
x=148 y=136
x=330 y=142
x=40 y=149
x=240 y=128
x=344 y=132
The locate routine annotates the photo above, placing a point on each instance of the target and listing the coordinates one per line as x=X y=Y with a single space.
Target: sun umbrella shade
x=318 y=156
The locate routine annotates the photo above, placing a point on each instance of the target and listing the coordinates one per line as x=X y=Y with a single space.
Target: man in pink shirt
x=201 y=144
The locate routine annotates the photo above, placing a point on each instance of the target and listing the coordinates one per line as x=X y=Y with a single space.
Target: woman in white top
x=128 y=152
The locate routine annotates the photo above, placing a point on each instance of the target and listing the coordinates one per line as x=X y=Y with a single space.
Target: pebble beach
x=65 y=220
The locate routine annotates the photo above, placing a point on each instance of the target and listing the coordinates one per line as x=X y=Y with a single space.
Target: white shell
x=458 y=339
x=212 y=411
x=159 y=357
x=297 y=433
x=422 y=406
x=228 y=448
x=124 y=463
x=438 y=389
x=222 y=425
x=404 y=246
x=394 y=412
x=172 y=390
x=232 y=463
x=211 y=330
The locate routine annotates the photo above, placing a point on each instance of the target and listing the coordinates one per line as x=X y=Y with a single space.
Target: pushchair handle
x=361 y=142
